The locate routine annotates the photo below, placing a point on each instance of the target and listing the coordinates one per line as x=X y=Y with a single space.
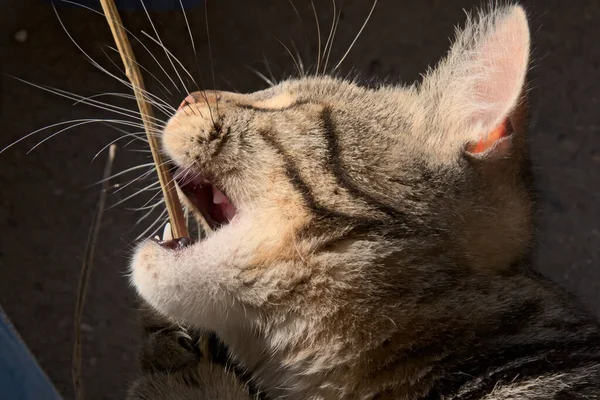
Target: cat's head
x=323 y=170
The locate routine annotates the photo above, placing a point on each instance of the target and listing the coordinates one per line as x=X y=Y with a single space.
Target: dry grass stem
x=178 y=223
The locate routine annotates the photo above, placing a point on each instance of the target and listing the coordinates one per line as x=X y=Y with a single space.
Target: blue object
x=21 y=378
x=129 y=5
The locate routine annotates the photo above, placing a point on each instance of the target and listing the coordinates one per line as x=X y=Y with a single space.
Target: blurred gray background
x=47 y=203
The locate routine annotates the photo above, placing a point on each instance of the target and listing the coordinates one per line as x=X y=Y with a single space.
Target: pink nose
x=208 y=97
x=187 y=101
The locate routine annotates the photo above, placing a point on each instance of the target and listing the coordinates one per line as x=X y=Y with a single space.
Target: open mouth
x=212 y=203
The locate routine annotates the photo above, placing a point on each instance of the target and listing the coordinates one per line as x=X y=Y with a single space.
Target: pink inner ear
x=489 y=140
x=500 y=65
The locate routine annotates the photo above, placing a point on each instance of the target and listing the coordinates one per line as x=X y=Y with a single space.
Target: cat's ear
x=480 y=84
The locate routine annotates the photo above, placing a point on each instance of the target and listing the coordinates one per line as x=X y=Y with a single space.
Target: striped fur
x=375 y=254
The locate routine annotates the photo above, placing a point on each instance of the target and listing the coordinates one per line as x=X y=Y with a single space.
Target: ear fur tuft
x=476 y=87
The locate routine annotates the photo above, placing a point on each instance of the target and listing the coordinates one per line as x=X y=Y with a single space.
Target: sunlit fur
x=373 y=256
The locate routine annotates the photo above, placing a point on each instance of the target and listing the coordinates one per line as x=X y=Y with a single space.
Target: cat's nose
x=207 y=97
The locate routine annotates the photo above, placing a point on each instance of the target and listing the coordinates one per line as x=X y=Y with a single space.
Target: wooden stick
x=178 y=225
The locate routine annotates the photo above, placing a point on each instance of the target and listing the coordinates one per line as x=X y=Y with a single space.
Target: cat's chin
x=208 y=202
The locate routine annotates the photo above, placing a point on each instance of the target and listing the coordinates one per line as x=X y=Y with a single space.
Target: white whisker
x=336 y=21
x=272 y=77
x=93 y=103
x=89 y=121
x=140 y=151
x=292 y=56
x=116 y=140
x=143 y=68
x=210 y=57
x=166 y=108
x=147 y=214
x=139 y=178
x=299 y=57
x=261 y=76
x=123 y=95
x=357 y=36
x=92 y=61
x=158 y=40
x=146 y=207
x=126 y=171
x=38 y=130
x=304 y=30
x=135 y=194
x=158 y=193
x=161 y=218
x=171 y=55
x=188 y=26
x=319 y=36
x=128 y=32
x=329 y=38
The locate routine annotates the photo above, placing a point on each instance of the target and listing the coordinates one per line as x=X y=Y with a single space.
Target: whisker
x=210 y=57
x=124 y=172
x=118 y=94
x=188 y=26
x=135 y=194
x=146 y=207
x=128 y=32
x=291 y=55
x=58 y=133
x=158 y=193
x=76 y=122
x=160 y=218
x=162 y=104
x=327 y=43
x=357 y=35
x=171 y=55
x=99 y=104
x=335 y=23
x=304 y=30
x=319 y=36
x=299 y=57
x=137 y=179
x=173 y=177
x=272 y=79
x=142 y=135
x=115 y=141
x=135 y=139
x=261 y=76
x=37 y=131
x=147 y=214
x=160 y=43
x=143 y=68
x=140 y=151
x=92 y=61
x=94 y=103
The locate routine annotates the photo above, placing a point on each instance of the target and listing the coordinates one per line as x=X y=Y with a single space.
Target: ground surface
x=47 y=205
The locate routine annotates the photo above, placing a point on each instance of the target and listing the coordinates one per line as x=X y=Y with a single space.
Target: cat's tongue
x=212 y=203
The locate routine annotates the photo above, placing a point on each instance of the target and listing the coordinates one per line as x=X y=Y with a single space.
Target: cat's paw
x=183 y=363
x=205 y=382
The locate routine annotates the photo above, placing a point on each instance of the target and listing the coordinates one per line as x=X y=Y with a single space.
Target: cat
x=367 y=243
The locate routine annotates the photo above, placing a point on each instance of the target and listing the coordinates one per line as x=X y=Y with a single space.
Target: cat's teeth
x=167 y=234
x=157 y=237
x=218 y=196
x=229 y=211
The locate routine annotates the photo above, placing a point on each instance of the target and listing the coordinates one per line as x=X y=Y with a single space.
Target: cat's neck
x=413 y=346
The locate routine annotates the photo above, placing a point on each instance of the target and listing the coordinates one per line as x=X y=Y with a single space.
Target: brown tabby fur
x=374 y=254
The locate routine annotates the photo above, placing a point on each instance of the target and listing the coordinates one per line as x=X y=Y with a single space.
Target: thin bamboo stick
x=178 y=225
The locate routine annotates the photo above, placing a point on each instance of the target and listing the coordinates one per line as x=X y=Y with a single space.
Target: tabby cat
x=366 y=243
